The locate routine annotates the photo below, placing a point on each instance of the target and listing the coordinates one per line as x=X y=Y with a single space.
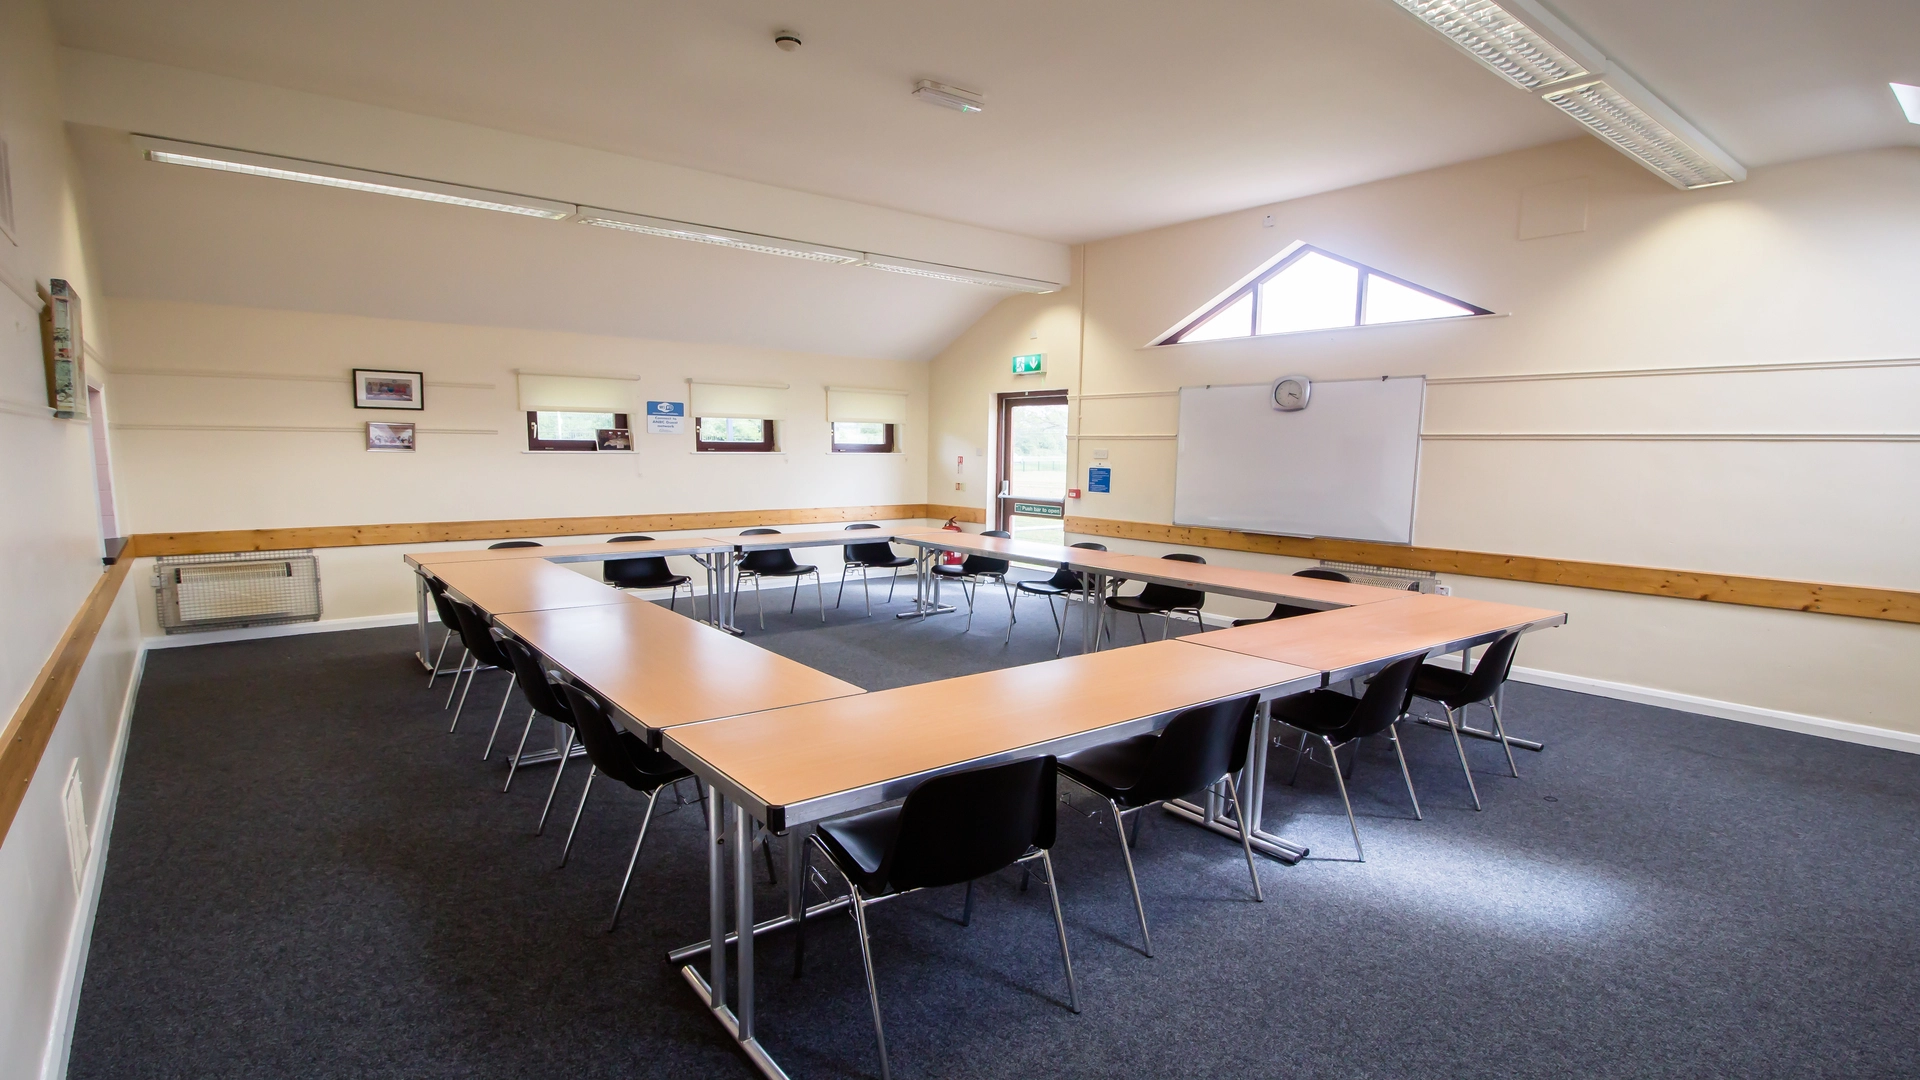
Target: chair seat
x=950 y=570
x=1280 y=611
x=1043 y=588
x=893 y=563
x=1113 y=769
x=1443 y=685
x=859 y=843
x=1318 y=712
x=1137 y=606
x=795 y=570
x=662 y=581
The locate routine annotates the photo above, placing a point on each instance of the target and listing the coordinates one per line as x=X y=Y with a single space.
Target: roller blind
x=851 y=404
x=746 y=401
x=575 y=393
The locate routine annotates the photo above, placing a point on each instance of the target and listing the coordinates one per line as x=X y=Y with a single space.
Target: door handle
x=1004 y=484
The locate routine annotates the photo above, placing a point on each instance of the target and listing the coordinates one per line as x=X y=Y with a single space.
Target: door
x=1032 y=501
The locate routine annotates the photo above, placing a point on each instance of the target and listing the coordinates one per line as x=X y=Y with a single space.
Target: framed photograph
x=617 y=438
x=389 y=437
x=388 y=389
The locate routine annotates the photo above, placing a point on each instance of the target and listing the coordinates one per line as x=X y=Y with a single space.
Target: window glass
x=726 y=429
x=1388 y=301
x=1314 y=293
x=860 y=434
x=573 y=426
x=1234 y=320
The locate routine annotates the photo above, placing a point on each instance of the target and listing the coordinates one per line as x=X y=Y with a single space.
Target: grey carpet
x=309 y=877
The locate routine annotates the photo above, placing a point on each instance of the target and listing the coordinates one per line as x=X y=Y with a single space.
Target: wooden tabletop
x=996 y=547
x=812 y=761
x=662 y=669
x=1356 y=640
x=523 y=585
x=1233 y=580
x=683 y=545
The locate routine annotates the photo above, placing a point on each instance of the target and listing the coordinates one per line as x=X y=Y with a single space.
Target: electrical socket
x=959 y=486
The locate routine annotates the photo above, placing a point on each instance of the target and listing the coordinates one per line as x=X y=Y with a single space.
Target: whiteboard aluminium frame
x=1419 y=456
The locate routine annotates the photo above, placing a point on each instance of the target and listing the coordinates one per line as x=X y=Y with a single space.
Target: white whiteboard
x=1345 y=466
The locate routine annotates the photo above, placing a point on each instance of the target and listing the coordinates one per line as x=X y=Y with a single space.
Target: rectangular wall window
x=862 y=438
x=574 y=430
x=727 y=434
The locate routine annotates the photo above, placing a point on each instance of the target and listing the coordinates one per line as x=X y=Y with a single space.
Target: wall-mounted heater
x=1387 y=577
x=220 y=592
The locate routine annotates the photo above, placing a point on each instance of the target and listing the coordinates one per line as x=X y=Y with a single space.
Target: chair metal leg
x=845 y=569
x=1059 y=628
x=759 y=605
x=1393 y=733
x=514 y=765
x=819 y=595
x=513 y=679
x=793 y=600
x=1060 y=927
x=1501 y=730
x=567 y=848
x=1246 y=837
x=866 y=589
x=873 y=988
x=439 y=656
x=969 y=594
x=1338 y=779
x=566 y=752
x=966 y=913
x=652 y=797
x=459 y=669
x=1453 y=725
x=472 y=673
x=891 y=582
x=1139 y=907
x=1299 y=755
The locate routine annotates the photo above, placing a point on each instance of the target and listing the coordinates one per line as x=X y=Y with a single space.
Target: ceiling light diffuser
x=941 y=272
x=1530 y=47
x=949 y=97
x=221 y=159
x=1909 y=99
x=706 y=234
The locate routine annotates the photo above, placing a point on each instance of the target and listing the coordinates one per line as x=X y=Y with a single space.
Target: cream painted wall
x=221 y=451
x=1809 y=263
x=49 y=527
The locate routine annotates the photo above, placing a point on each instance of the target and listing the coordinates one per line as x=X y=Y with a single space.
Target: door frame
x=1004 y=405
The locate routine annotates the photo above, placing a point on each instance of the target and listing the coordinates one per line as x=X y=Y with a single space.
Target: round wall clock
x=1290 y=392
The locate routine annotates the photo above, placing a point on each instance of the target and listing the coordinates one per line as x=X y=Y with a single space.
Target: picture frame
x=613 y=439
x=64 y=350
x=377 y=389
x=389 y=438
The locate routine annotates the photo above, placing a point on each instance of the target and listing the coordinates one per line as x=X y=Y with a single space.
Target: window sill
x=866 y=453
x=738 y=453
x=574 y=453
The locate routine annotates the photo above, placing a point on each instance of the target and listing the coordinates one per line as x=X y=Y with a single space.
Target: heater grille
x=255 y=588
x=1387 y=577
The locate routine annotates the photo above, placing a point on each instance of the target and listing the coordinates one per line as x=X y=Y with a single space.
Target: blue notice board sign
x=666 y=417
x=1100 y=479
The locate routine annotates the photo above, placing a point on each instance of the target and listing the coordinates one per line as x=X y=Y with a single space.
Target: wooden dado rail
x=31 y=726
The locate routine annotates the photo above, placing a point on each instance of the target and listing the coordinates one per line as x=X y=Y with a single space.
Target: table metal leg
x=926 y=586
x=713 y=990
x=425 y=655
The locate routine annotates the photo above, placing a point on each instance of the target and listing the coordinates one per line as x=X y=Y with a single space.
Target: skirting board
x=59 y=1047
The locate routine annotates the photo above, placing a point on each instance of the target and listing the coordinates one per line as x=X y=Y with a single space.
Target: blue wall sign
x=1100 y=479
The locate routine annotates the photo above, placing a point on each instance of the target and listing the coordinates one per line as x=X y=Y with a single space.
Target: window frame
x=767 y=445
x=886 y=446
x=564 y=446
x=1252 y=288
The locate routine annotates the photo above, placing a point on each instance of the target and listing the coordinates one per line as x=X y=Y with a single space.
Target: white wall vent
x=1387 y=577
x=218 y=592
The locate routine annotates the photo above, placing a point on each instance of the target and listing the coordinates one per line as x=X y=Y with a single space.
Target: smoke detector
x=786 y=41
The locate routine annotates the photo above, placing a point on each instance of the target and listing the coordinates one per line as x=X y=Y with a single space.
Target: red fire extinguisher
x=952 y=558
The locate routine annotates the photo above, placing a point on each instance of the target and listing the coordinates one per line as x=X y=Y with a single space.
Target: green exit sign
x=1030 y=364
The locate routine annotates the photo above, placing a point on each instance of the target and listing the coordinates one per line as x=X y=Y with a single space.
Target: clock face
x=1290 y=393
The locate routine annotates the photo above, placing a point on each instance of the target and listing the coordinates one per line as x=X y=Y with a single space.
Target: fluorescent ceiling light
x=949 y=97
x=1909 y=98
x=941 y=272
x=1530 y=47
x=336 y=176
x=706 y=234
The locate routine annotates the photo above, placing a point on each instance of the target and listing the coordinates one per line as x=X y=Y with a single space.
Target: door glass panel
x=1038 y=445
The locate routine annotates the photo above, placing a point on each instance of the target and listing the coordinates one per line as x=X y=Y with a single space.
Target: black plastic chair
x=1288 y=611
x=951 y=829
x=1161 y=600
x=483 y=650
x=1200 y=748
x=623 y=756
x=647 y=572
x=1455 y=690
x=546 y=700
x=975 y=569
x=1064 y=582
x=776 y=563
x=1337 y=719
x=443 y=606
x=513 y=544
x=877 y=555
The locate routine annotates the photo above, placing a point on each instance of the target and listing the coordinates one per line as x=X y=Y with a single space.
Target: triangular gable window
x=1305 y=288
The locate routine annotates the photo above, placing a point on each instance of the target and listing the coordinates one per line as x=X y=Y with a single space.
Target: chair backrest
x=1323 y=574
x=476 y=636
x=863 y=554
x=771 y=561
x=1199 y=747
x=1064 y=578
x=647 y=568
x=620 y=754
x=533 y=681
x=513 y=544
x=1386 y=700
x=1170 y=596
x=1495 y=665
x=968 y=824
x=443 y=604
x=981 y=564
